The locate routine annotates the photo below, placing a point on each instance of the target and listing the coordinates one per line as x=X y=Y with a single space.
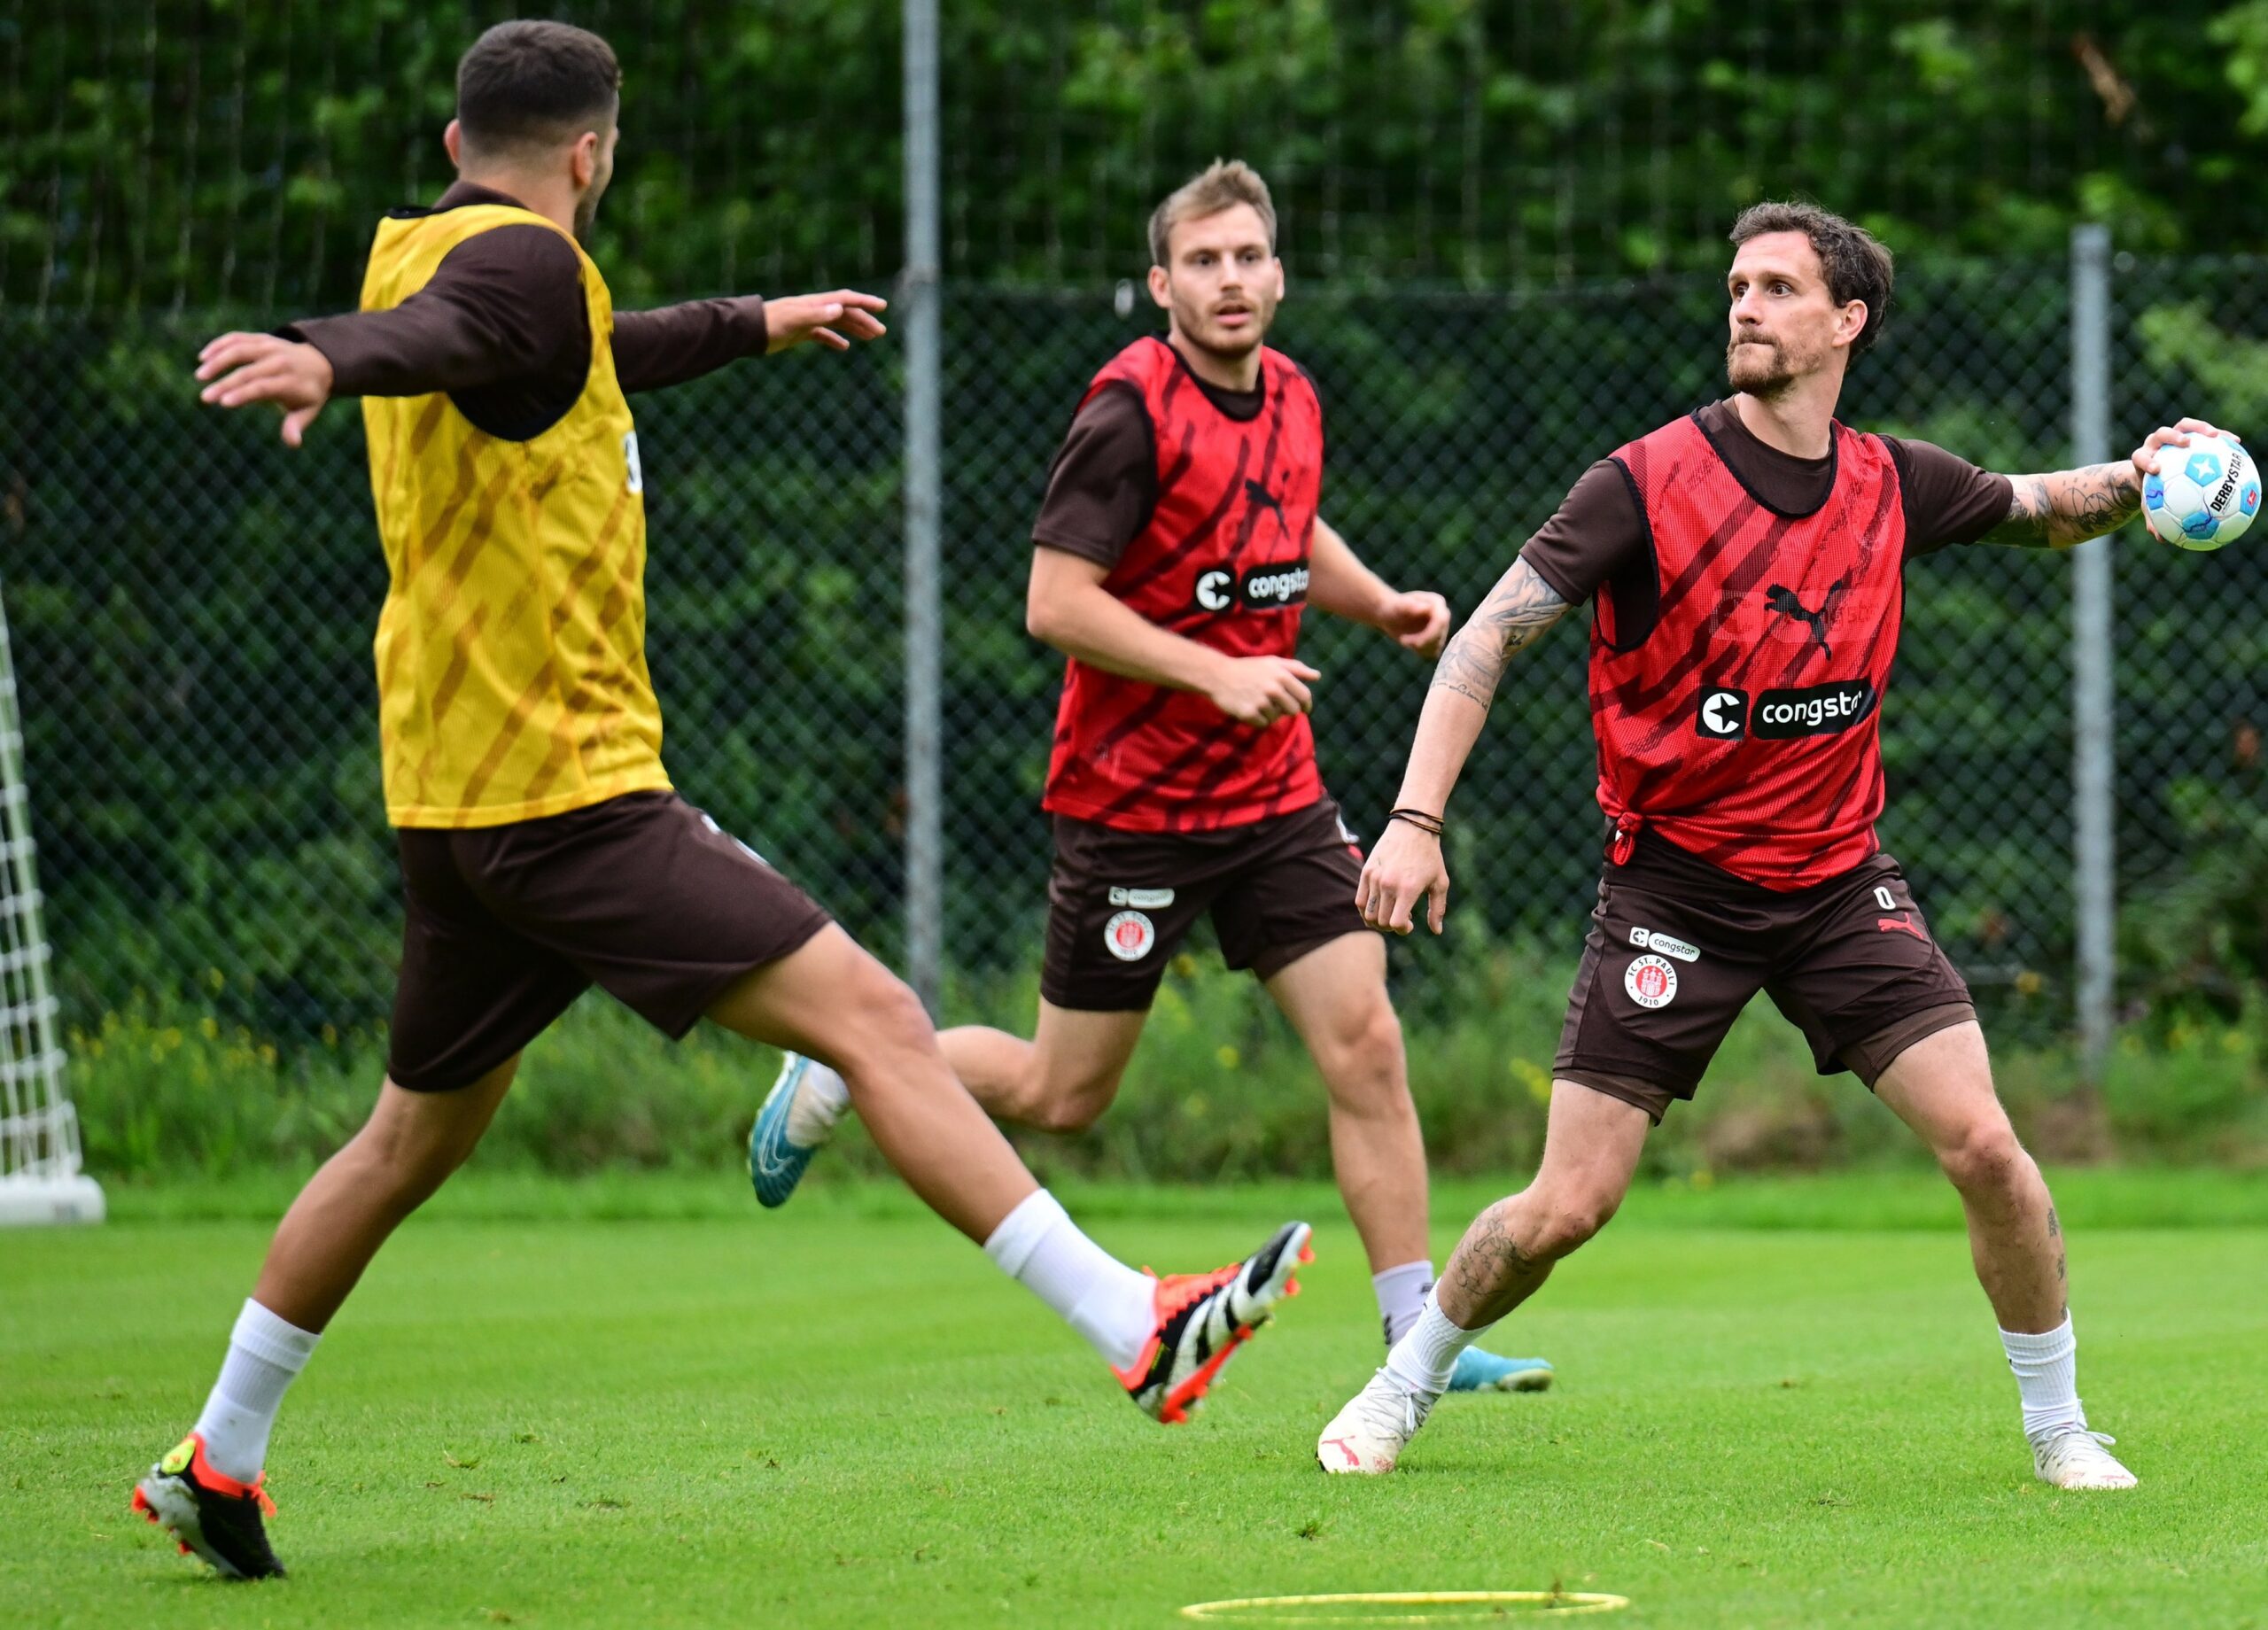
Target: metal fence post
x=2092 y=789
x=924 y=826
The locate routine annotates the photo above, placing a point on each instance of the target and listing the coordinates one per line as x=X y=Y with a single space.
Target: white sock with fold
x=1038 y=1247
x=819 y=1104
x=265 y=1354
x=2046 y=1366
x=1422 y=1359
x=1402 y=1297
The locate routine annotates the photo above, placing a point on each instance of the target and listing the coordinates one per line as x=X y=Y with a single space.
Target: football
x=2204 y=495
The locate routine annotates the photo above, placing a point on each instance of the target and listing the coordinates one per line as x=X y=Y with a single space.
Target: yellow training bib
x=512 y=679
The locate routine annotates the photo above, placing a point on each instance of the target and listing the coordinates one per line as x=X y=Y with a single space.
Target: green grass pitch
x=649 y=1404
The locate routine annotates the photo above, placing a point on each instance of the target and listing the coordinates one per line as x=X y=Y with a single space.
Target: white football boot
x=1367 y=1437
x=2073 y=1457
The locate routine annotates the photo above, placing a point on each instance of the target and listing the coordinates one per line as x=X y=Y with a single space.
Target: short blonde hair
x=1223 y=184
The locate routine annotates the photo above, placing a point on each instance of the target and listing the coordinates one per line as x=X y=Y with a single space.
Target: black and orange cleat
x=209 y=1513
x=1203 y=1318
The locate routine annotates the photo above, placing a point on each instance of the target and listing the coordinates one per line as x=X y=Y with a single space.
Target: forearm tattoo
x=1518 y=610
x=2056 y=510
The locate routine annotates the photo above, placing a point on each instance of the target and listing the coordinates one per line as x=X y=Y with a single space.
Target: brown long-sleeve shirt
x=501 y=328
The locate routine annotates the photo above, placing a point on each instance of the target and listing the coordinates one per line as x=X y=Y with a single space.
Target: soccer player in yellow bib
x=542 y=847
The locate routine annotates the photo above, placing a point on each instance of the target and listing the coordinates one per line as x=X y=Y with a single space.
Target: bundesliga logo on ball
x=2204 y=495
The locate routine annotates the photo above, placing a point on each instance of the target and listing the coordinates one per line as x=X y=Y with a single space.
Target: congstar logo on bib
x=1728 y=715
x=1276 y=586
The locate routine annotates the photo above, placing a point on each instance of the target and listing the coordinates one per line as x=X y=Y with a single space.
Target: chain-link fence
x=193 y=605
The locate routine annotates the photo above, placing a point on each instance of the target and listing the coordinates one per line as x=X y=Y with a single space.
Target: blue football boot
x=797 y=1119
x=1478 y=1371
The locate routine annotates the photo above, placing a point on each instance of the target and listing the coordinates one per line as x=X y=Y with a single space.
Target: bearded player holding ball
x=1746 y=564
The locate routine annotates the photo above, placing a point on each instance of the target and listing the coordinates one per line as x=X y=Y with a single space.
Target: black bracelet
x=1426 y=822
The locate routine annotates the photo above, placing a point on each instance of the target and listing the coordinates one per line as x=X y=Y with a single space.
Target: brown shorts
x=1677 y=948
x=1121 y=903
x=641 y=894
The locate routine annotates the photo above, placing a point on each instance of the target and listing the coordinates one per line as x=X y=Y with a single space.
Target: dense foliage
x=185 y=153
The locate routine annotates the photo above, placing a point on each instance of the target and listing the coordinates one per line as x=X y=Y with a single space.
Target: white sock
x=817 y=1105
x=265 y=1353
x=2047 y=1376
x=1038 y=1247
x=1422 y=1359
x=1402 y=1297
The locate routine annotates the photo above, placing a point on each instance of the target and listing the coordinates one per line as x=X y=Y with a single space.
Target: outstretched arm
x=1341 y=585
x=1406 y=866
x=504 y=304
x=672 y=344
x=2066 y=506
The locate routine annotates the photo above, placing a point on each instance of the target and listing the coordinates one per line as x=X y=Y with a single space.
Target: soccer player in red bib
x=1746 y=564
x=1178 y=546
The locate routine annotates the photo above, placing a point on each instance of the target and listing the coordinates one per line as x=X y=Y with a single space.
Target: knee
x=1064 y=1112
x=1052 y=1098
x=1364 y=1059
x=402 y=1167
x=1562 y=1219
x=1986 y=1159
x=883 y=1021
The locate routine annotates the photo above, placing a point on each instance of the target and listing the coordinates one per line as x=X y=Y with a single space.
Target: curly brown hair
x=1857 y=267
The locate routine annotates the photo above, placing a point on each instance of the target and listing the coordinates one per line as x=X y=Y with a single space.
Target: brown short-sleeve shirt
x=1104 y=481
x=1597 y=538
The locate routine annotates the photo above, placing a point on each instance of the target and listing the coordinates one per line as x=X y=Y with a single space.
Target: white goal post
x=40 y=1179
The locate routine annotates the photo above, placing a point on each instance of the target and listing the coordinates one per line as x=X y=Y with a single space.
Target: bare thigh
x=834 y=1001
x=1081 y=1056
x=830 y=997
x=1335 y=997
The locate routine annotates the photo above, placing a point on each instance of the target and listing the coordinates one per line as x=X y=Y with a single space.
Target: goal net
x=40 y=1179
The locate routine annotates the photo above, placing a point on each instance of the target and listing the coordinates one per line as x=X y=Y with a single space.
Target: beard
x=1758 y=368
x=1230 y=347
x=587 y=211
x=1765 y=367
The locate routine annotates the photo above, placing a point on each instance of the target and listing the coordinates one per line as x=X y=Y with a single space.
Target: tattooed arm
x=1405 y=868
x=1518 y=610
x=2056 y=510
x=2066 y=506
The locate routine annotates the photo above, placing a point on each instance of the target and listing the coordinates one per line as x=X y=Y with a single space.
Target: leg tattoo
x=2055 y=1238
x=1489 y=1275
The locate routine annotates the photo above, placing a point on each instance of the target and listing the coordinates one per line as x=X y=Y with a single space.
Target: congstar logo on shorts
x=1275 y=587
x=1726 y=714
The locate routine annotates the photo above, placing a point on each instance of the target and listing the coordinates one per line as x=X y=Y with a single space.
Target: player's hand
x=241 y=368
x=2146 y=456
x=1404 y=869
x=833 y=320
x=1418 y=620
x=1260 y=690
